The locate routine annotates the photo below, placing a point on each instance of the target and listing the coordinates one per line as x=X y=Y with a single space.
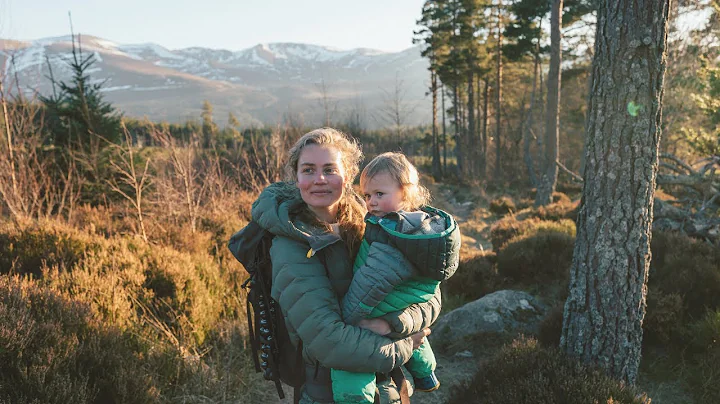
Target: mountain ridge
x=260 y=85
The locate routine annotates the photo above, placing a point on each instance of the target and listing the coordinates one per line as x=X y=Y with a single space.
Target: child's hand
x=376 y=325
x=419 y=337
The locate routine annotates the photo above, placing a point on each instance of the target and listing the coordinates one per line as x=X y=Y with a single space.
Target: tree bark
x=458 y=136
x=498 y=99
x=444 y=133
x=472 y=153
x=604 y=311
x=527 y=134
x=486 y=120
x=547 y=183
x=436 y=171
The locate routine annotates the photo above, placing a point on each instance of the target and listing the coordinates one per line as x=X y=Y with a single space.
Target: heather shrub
x=53 y=350
x=502 y=206
x=96 y=220
x=27 y=248
x=187 y=290
x=522 y=372
x=541 y=256
x=687 y=267
x=147 y=314
x=525 y=203
x=550 y=328
x=475 y=277
x=664 y=318
x=704 y=373
x=563 y=209
x=510 y=227
x=505 y=229
x=121 y=278
x=560 y=198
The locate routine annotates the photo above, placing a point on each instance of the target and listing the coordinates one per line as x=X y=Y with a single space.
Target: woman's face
x=321 y=179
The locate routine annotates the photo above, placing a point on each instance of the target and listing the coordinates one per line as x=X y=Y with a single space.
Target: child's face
x=382 y=195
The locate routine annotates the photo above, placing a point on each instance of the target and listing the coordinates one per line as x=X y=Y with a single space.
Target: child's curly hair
x=404 y=173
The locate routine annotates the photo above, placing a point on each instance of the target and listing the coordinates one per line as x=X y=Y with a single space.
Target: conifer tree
x=77 y=114
x=209 y=128
x=605 y=308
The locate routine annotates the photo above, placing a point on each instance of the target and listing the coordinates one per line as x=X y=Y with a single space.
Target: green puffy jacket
x=309 y=294
x=429 y=238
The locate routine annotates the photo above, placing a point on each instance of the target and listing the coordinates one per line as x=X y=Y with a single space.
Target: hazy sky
x=227 y=24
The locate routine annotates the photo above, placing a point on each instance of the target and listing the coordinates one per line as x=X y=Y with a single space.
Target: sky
x=385 y=25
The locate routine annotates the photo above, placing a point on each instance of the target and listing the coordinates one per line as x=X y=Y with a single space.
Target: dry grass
x=169 y=324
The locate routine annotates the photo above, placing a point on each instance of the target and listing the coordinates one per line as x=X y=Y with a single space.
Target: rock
x=464 y=354
x=505 y=311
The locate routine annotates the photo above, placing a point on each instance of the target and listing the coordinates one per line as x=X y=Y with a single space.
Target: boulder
x=505 y=311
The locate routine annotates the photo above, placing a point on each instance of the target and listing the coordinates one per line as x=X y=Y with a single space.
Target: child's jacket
x=429 y=239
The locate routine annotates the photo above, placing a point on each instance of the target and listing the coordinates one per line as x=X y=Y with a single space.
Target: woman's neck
x=327 y=215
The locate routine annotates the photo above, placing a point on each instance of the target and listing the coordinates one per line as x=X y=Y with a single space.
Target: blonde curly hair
x=402 y=171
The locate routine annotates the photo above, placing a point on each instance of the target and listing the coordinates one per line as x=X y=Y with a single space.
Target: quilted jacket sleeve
x=312 y=311
x=385 y=267
x=414 y=318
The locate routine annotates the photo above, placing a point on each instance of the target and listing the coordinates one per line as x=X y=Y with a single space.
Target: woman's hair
x=351 y=210
x=401 y=171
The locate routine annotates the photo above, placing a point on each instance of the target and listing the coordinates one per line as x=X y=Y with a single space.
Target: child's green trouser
x=353 y=388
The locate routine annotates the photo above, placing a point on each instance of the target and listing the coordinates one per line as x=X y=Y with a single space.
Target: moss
x=476 y=276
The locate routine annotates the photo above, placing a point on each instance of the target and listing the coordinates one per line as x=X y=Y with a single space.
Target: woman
x=318 y=224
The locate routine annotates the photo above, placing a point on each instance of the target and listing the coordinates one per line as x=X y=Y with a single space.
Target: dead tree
x=548 y=179
x=127 y=179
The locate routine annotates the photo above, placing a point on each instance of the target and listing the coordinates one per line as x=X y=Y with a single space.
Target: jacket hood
x=275 y=211
x=429 y=238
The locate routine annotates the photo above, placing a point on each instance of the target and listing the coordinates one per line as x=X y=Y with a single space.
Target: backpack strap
x=251 y=331
x=297 y=390
x=398 y=377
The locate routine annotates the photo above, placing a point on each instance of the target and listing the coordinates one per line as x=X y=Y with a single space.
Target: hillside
x=259 y=85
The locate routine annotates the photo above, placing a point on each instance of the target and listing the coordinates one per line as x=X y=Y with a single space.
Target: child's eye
x=367 y=197
x=380 y=194
x=331 y=171
x=307 y=171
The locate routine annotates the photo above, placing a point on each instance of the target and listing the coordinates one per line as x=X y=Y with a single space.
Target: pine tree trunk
x=479 y=152
x=608 y=279
x=527 y=134
x=548 y=181
x=436 y=172
x=444 y=132
x=486 y=120
x=458 y=136
x=472 y=152
x=498 y=99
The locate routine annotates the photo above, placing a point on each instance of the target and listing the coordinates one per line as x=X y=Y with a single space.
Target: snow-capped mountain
x=259 y=84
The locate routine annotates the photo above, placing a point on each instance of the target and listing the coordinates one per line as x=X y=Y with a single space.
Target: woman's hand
x=419 y=337
x=376 y=325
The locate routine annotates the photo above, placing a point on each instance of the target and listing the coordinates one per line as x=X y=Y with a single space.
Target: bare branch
x=576 y=177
